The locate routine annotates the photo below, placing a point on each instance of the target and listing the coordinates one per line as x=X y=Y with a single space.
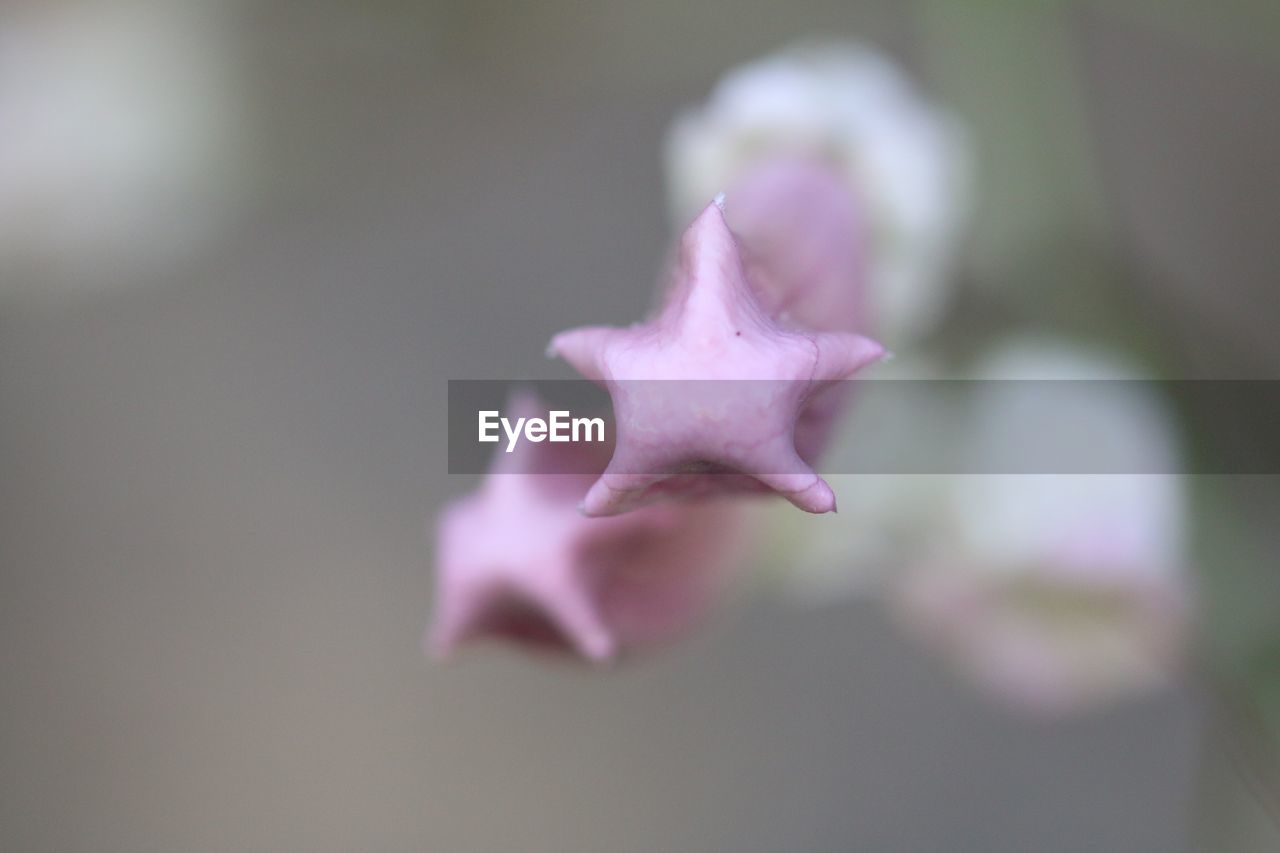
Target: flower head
x=846 y=105
x=1059 y=592
x=722 y=379
x=516 y=560
x=1052 y=592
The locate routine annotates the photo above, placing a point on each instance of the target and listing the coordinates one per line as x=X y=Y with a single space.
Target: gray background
x=214 y=559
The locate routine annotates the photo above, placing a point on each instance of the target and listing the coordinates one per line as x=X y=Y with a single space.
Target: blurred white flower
x=118 y=132
x=907 y=160
x=1058 y=592
x=1054 y=592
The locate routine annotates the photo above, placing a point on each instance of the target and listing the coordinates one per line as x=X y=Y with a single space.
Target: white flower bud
x=907 y=161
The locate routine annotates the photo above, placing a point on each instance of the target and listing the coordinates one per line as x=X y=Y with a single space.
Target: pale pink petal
x=518 y=561
x=723 y=390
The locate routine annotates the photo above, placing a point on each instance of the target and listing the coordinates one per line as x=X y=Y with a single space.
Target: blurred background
x=244 y=245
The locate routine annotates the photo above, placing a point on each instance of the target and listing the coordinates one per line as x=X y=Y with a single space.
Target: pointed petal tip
x=869 y=350
x=817 y=498
x=841 y=355
x=570 y=605
x=712 y=216
x=599 y=648
x=800 y=485
x=600 y=501
x=709 y=273
x=583 y=348
x=557 y=345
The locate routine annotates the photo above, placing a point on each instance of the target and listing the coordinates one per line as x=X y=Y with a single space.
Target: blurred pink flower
x=518 y=561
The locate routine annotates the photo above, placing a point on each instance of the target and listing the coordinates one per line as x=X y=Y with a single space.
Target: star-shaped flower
x=715 y=393
x=516 y=560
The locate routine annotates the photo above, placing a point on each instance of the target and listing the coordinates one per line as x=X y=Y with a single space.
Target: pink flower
x=518 y=561
x=777 y=307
